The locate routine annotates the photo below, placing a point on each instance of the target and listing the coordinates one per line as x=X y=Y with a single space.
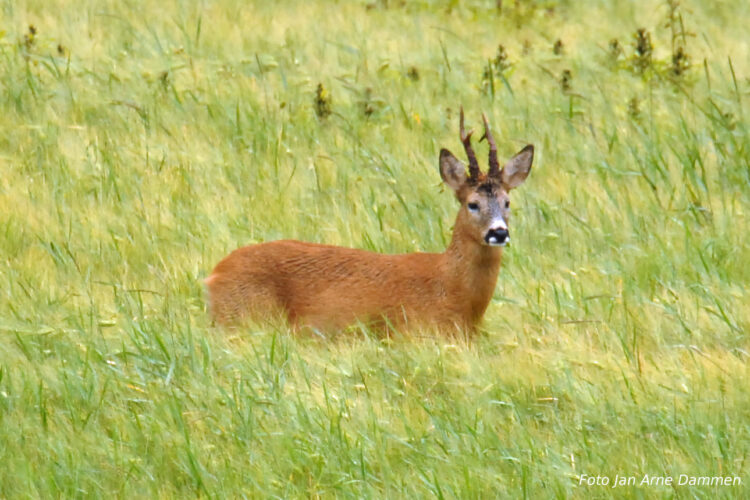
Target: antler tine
x=466 y=140
x=494 y=165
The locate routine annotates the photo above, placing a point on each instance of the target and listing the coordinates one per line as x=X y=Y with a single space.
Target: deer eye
x=507 y=203
x=473 y=207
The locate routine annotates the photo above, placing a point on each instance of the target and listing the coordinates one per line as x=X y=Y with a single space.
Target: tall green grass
x=142 y=141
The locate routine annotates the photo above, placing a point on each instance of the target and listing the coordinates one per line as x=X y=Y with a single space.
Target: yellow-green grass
x=142 y=141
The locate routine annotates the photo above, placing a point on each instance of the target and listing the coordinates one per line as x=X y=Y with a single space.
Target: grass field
x=142 y=141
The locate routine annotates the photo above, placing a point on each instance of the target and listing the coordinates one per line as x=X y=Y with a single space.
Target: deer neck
x=472 y=267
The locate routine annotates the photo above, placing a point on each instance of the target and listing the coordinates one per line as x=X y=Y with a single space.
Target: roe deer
x=328 y=287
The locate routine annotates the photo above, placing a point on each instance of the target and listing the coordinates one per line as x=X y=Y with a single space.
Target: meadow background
x=142 y=141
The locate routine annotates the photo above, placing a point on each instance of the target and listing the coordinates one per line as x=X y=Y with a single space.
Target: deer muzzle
x=497 y=237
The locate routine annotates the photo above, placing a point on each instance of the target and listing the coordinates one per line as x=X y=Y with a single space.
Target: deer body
x=328 y=287
x=451 y=289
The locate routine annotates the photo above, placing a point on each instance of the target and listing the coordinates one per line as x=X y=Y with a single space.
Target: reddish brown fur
x=328 y=287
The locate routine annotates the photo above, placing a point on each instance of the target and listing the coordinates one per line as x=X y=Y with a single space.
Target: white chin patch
x=494 y=243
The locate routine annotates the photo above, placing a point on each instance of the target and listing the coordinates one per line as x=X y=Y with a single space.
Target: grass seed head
x=643 y=50
x=322 y=103
x=558 y=48
x=680 y=61
x=566 y=81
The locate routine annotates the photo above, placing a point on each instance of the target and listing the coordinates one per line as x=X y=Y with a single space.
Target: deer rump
x=329 y=287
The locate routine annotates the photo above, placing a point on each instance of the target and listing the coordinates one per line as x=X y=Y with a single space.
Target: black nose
x=496 y=236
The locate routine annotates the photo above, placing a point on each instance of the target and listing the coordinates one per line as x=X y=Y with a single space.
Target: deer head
x=485 y=204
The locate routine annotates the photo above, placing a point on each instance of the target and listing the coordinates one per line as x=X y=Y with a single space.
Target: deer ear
x=517 y=169
x=452 y=170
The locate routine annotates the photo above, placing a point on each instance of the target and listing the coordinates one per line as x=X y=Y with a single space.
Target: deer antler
x=494 y=165
x=466 y=140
